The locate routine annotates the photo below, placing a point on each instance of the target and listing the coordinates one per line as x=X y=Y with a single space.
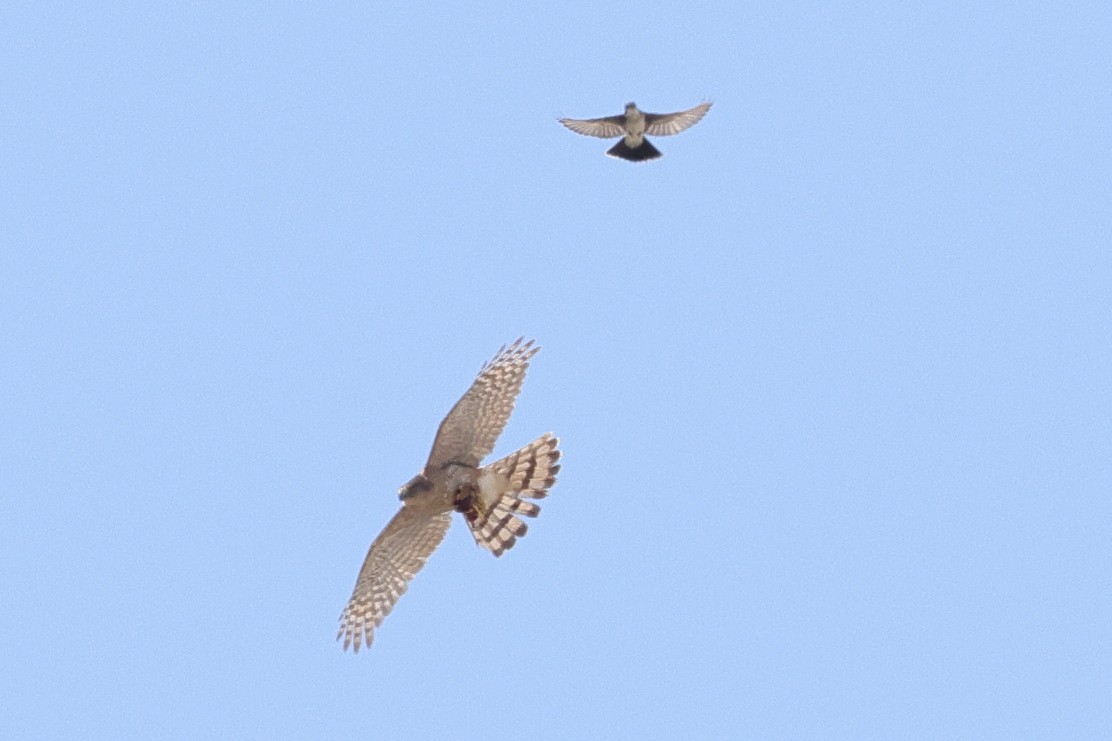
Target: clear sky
x=832 y=377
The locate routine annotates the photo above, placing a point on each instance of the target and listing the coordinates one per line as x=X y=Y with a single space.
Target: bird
x=490 y=497
x=632 y=127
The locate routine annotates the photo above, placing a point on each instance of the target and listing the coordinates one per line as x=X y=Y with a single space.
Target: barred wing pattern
x=667 y=124
x=604 y=128
x=530 y=473
x=468 y=433
x=396 y=555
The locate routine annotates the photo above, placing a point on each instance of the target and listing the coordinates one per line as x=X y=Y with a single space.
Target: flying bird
x=490 y=497
x=632 y=127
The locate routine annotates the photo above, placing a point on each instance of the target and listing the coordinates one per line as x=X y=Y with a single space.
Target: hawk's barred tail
x=527 y=474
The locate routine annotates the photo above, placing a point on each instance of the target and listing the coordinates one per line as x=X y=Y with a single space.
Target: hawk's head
x=416 y=485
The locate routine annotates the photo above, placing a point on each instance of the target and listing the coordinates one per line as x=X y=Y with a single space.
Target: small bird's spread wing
x=397 y=554
x=603 y=128
x=468 y=433
x=666 y=124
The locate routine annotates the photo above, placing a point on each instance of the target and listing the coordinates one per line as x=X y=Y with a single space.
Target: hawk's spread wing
x=468 y=433
x=666 y=124
x=397 y=554
x=604 y=128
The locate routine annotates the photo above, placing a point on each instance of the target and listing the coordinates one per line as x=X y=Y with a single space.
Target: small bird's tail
x=646 y=151
x=503 y=486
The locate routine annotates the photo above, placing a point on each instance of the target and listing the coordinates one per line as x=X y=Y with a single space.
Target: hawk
x=632 y=127
x=490 y=497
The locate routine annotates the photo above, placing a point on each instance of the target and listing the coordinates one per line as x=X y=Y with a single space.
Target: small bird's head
x=416 y=485
x=631 y=107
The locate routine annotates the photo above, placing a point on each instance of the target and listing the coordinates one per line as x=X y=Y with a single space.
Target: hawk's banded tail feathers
x=505 y=488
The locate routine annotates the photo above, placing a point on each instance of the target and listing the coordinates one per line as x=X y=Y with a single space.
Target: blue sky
x=832 y=377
